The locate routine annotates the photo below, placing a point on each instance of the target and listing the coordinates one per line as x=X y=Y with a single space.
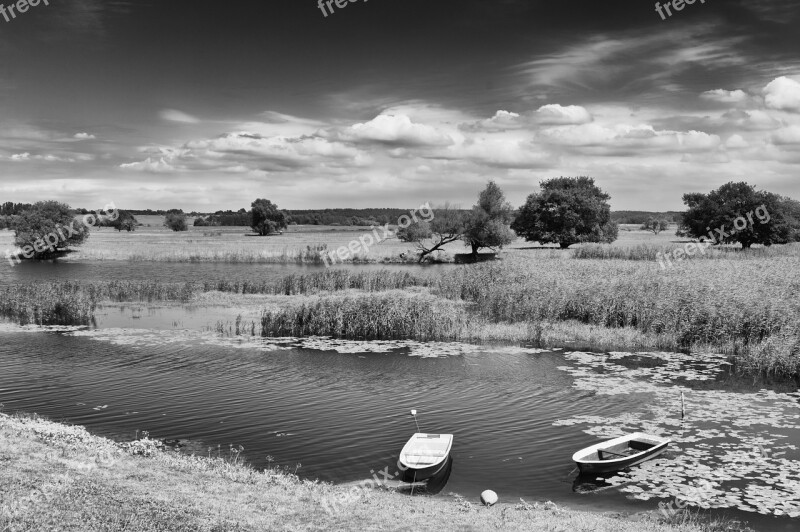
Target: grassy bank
x=58 y=477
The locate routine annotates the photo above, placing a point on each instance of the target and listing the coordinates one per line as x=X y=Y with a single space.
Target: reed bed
x=392 y=315
x=328 y=280
x=737 y=307
x=48 y=304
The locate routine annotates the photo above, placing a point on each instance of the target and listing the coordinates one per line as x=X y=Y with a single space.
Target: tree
x=567 y=211
x=47 y=228
x=446 y=227
x=267 y=218
x=176 y=222
x=124 y=222
x=416 y=232
x=655 y=225
x=488 y=225
x=738 y=213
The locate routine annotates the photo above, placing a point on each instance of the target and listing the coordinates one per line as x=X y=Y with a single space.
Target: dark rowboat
x=619 y=453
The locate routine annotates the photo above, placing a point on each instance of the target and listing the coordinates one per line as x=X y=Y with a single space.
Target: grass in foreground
x=58 y=477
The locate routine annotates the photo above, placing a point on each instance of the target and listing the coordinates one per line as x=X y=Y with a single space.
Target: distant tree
x=567 y=211
x=267 y=218
x=655 y=225
x=447 y=226
x=738 y=213
x=176 y=222
x=488 y=225
x=124 y=222
x=47 y=228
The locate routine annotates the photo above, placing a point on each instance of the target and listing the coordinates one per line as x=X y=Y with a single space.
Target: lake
x=341 y=408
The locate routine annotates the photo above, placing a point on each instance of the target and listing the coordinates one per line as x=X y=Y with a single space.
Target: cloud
x=725 y=96
x=787 y=136
x=150 y=165
x=395 y=130
x=783 y=94
x=84 y=136
x=173 y=115
x=501 y=121
x=736 y=142
x=554 y=114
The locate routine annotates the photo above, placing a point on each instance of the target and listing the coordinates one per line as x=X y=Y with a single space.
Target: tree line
x=564 y=211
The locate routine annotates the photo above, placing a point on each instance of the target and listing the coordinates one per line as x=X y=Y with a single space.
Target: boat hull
x=620 y=453
x=411 y=474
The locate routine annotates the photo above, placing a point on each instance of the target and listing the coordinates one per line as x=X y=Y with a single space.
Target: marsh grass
x=391 y=315
x=747 y=307
x=47 y=304
x=650 y=252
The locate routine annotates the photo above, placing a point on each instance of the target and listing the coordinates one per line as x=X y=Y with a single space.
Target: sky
x=206 y=105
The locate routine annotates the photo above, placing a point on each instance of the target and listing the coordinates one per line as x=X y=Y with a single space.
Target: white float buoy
x=488 y=497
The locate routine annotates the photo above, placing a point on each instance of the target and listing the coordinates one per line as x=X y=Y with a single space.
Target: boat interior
x=622 y=450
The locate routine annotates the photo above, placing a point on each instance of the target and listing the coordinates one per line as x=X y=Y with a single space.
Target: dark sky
x=206 y=104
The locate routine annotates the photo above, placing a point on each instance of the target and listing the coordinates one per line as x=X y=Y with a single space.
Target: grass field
x=59 y=477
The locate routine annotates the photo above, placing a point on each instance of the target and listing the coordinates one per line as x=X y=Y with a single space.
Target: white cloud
x=150 y=165
x=397 y=130
x=173 y=115
x=783 y=94
x=725 y=96
x=736 y=142
x=21 y=156
x=787 y=136
x=84 y=136
x=554 y=114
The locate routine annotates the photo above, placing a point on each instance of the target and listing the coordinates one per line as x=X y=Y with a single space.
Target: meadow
x=298 y=244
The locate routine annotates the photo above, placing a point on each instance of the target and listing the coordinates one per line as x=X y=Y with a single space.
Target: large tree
x=488 y=225
x=267 y=218
x=47 y=228
x=738 y=213
x=566 y=211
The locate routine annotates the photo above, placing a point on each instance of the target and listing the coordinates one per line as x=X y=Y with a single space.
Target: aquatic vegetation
x=47 y=304
x=371 y=316
x=747 y=308
x=733 y=449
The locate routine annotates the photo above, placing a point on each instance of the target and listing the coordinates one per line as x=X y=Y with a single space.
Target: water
x=341 y=409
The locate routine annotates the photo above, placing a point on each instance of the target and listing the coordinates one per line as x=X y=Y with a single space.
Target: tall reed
x=391 y=315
